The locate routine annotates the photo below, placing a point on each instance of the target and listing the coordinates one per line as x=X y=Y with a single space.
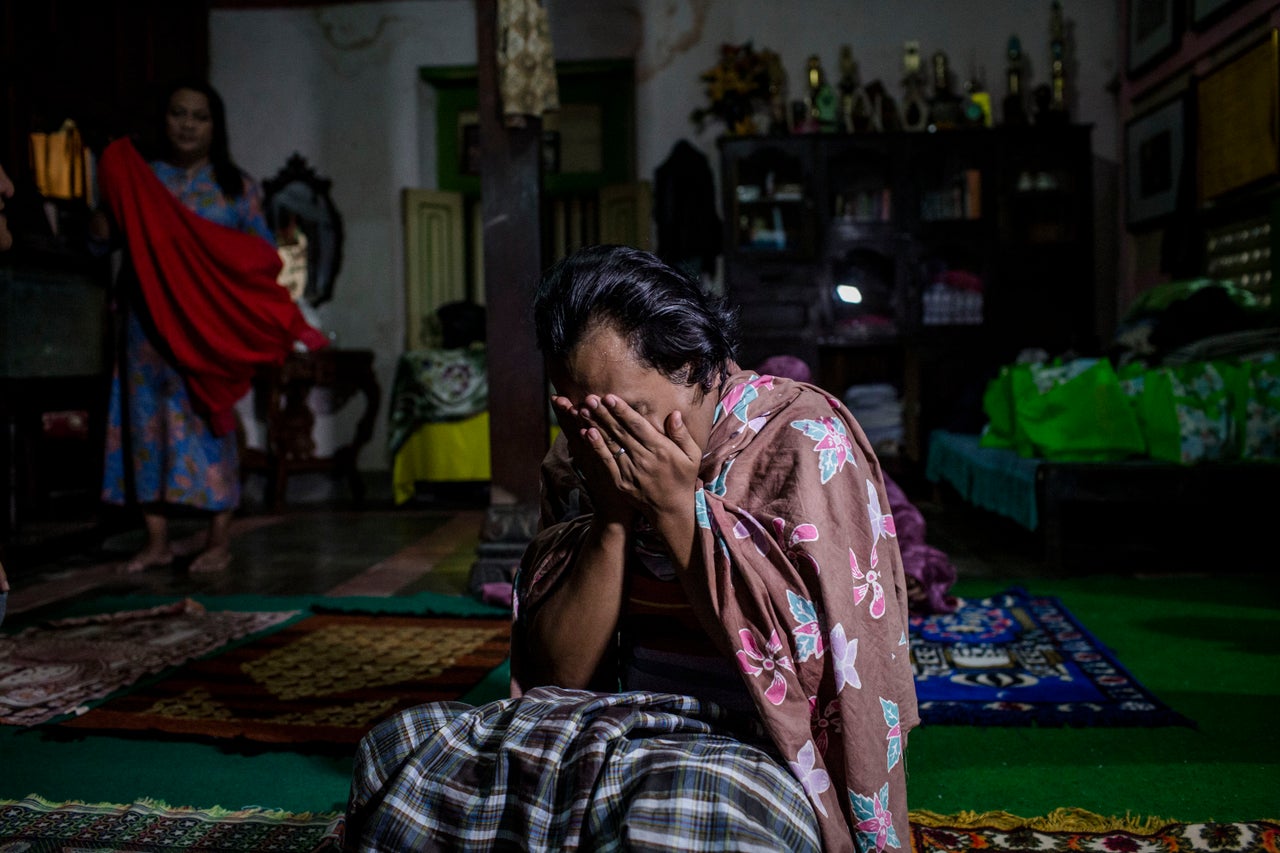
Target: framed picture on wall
x=1238 y=134
x=1206 y=12
x=1154 y=28
x=1155 y=162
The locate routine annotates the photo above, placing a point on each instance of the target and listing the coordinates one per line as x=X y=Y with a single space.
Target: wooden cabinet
x=54 y=377
x=920 y=259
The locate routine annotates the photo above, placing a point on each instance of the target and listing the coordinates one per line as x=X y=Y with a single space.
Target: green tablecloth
x=994 y=479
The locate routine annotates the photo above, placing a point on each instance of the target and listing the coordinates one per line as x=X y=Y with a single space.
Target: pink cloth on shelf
x=496 y=593
x=786 y=366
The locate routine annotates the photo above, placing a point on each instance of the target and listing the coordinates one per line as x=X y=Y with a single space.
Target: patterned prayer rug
x=1074 y=830
x=35 y=825
x=57 y=668
x=326 y=679
x=1015 y=659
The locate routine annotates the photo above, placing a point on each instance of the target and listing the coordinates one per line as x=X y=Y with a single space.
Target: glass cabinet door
x=860 y=180
x=770 y=197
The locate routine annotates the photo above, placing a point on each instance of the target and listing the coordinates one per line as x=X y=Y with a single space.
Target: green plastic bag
x=997 y=404
x=1258 y=409
x=1188 y=413
x=1132 y=378
x=1073 y=412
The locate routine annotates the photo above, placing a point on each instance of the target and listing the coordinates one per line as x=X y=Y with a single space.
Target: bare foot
x=216 y=559
x=148 y=558
x=193 y=544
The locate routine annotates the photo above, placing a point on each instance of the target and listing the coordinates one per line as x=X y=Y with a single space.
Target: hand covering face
x=801 y=583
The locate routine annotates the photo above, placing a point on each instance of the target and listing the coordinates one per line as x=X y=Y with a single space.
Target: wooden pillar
x=510 y=199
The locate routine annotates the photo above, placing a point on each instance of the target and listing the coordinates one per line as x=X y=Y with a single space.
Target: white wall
x=339 y=84
x=682 y=38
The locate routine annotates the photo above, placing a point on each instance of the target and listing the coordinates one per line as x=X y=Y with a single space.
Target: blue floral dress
x=158 y=448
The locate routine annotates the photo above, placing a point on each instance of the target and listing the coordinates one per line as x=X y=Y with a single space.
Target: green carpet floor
x=1206 y=646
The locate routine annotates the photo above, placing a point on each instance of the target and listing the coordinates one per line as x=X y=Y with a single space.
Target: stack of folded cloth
x=879 y=412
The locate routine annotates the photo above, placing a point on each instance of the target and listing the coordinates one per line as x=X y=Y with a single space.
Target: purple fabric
x=497 y=593
x=786 y=366
x=930 y=572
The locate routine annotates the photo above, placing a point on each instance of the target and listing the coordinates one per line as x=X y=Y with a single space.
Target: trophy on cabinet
x=915 y=109
x=779 y=123
x=977 y=101
x=848 y=87
x=822 y=100
x=1057 y=112
x=1014 y=109
x=862 y=108
x=945 y=108
x=881 y=107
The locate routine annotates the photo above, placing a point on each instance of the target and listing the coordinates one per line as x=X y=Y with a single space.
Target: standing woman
x=192 y=338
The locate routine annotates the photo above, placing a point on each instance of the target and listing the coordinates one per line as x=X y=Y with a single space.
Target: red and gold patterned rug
x=62 y=667
x=324 y=679
x=36 y=824
x=1074 y=830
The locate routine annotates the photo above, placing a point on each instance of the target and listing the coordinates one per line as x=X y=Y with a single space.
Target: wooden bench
x=1138 y=515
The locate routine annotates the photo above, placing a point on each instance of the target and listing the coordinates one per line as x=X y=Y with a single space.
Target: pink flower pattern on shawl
x=875 y=821
x=894 y=737
x=844 y=653
x=824 y=724
x=739 y=397
x=813 y=779
x=833 y=446
x=881 y=522
x=794 y=546
x=864 y=582
x=748 y=528
x=808 y=632
x=755 y=663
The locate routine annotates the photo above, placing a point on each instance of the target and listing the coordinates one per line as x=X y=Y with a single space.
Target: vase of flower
x=738 y=88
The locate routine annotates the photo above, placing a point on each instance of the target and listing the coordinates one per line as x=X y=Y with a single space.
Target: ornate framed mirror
x=307 y=228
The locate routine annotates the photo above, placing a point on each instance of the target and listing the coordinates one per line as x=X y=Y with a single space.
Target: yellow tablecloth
x=450 y=452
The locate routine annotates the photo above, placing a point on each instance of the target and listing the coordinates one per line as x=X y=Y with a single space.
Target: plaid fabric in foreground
x=561 y=769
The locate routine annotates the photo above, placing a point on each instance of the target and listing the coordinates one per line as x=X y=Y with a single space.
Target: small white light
x=849 y=293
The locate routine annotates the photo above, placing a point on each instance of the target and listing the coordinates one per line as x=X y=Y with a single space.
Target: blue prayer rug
x=1016 y=659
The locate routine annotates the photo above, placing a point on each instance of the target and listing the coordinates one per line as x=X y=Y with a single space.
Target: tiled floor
x=335 y=549
x=314 y=549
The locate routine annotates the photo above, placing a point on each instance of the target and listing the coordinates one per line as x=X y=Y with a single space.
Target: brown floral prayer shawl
x=801 y=581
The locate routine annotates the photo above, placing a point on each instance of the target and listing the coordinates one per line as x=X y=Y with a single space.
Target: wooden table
x=290 y=442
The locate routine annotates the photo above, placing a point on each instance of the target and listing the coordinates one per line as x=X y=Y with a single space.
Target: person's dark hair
x=670 y=322
x=225 y=171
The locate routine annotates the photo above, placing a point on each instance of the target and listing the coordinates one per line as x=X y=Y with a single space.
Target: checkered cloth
x=565 y=769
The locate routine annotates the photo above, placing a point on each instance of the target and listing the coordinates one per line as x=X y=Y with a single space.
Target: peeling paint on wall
x=678 y=29
x=352 y=43
x=343 y=34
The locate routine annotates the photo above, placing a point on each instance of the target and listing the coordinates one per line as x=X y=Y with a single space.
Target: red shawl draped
x=210 y=290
